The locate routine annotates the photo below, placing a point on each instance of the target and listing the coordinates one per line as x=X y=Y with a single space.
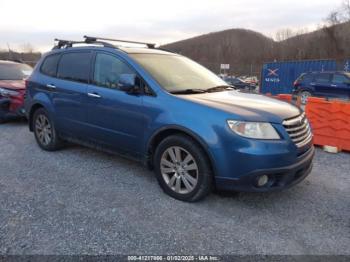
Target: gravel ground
x=80 y=201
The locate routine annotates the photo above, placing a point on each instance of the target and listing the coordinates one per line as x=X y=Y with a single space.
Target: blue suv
x=323 y=84
x=170 y=113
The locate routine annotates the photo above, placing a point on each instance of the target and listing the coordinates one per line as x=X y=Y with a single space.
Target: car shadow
x=15 y=122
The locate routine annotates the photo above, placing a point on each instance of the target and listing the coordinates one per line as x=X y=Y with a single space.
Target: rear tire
x=45 y=132
x=183 y=169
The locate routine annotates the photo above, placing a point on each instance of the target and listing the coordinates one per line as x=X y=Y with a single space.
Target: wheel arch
x=305 y=89
x=34 y=107
x=164 y=132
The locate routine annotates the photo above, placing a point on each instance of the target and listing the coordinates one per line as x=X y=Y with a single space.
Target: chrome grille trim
x=294 y=120
x=298 y=129
x=302 y=132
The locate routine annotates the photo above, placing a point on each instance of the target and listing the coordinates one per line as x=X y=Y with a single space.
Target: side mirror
x=127 y=83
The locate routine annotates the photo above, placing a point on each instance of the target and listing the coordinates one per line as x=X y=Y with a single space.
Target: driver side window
x=108 y=69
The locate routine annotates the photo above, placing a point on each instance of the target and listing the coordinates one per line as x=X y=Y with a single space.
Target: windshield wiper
x=220 y=88
x=189 y=91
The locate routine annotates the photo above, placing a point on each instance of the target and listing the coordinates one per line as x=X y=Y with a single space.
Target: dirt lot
x=80 y=201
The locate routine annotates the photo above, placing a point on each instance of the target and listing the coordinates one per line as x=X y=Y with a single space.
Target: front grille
x=298 y=129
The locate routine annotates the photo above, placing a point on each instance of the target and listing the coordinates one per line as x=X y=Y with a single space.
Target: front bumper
x=279 y=178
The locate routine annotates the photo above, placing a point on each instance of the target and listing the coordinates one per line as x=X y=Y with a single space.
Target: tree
x=346 y=10
x=27 y=48
x=333 y=18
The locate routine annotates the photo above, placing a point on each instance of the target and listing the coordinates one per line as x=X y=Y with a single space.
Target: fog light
x=262 y=181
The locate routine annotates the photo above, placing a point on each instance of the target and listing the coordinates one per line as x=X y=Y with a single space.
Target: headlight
x=258 y=130
x=7 y=92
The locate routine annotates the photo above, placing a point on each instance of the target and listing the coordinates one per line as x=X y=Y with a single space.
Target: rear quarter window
x=75 y=67
x=49 y=66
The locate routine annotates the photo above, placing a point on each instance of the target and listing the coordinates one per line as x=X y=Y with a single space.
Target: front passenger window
x=108 y=70
x=339 y=79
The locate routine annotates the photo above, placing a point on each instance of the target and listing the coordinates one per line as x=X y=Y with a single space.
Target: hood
x=248 y=107
x=13 y=84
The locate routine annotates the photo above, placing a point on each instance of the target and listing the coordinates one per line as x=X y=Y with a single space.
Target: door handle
x=51 y=86
x=94 y=95
x=333 y=85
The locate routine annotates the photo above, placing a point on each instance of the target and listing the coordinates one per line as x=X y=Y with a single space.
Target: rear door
x=322 y=85
x=341 y=86
x=69 y=91
x=116 y=119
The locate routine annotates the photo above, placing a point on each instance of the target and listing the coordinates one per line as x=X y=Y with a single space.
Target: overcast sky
x=38 y=22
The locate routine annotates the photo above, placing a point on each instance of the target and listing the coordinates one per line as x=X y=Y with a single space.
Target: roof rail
x=69 y=43
x=94 y=39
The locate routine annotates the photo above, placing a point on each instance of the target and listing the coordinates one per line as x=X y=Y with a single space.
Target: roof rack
x=94 y=39
x=69 y=43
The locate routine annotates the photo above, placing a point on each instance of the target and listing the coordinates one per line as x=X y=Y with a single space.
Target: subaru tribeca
x=171 y=114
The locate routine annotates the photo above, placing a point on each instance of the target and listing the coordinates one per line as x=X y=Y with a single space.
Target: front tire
x=182 y=168
x=45 y=132
x=304 y=95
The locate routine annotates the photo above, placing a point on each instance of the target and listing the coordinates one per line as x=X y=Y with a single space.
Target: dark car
x=323 y=84
x=12 y=89
x=170 y=113
x=240 y=84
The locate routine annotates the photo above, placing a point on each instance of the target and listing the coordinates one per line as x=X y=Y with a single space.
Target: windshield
x=14 y=71
x=177 y=73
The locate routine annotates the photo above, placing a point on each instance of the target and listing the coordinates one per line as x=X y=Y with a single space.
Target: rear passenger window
x=108 y=70
x=49 y=66
x=322 y=78
x=75 y=67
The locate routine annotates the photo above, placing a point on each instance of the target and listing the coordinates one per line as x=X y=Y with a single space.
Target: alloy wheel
x=43 y=130
x=179 y=170
x=304 y=96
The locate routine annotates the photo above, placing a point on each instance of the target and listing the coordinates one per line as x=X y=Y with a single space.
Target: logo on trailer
x=272 y=72
x=272 y=76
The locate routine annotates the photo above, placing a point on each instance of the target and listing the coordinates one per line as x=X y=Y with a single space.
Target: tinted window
x=306 y=78
x=108 y=70
x=49 y=66
x=235 y=81
x=340 y=79
x=75 y=66
x=322 y=78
